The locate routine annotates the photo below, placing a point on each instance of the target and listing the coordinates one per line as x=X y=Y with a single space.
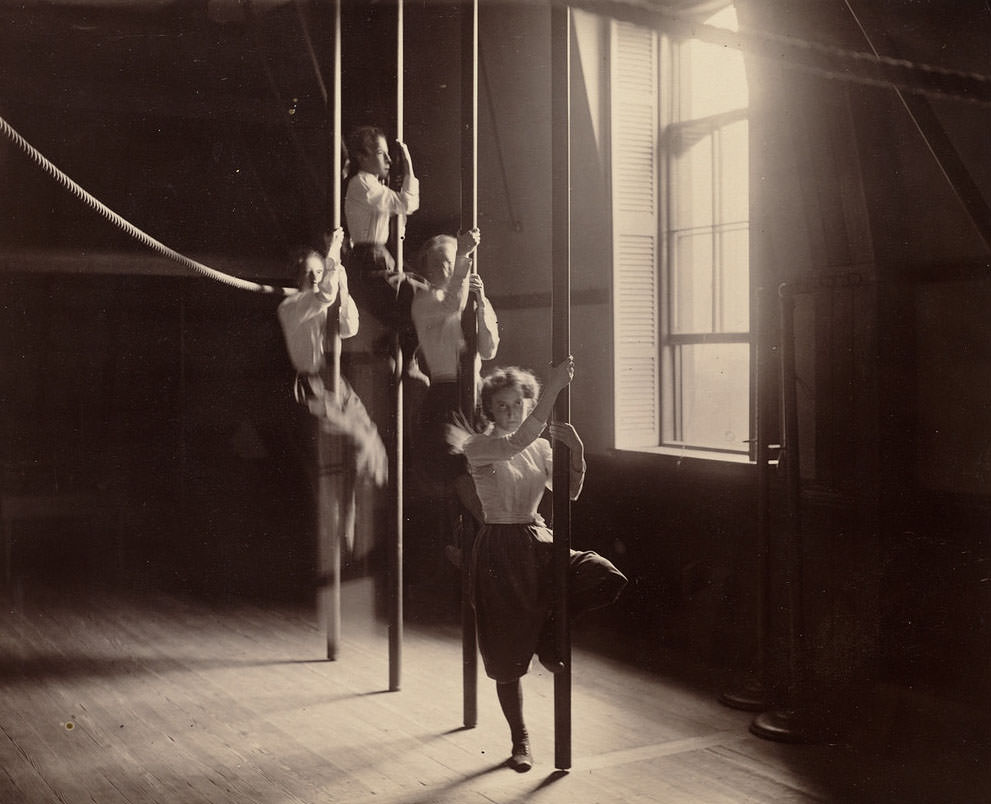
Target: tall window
x=681 y=241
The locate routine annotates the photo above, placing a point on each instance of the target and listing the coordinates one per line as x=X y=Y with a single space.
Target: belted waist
x=515 y=519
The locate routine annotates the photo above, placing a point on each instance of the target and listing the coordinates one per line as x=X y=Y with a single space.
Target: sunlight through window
x=681 y=259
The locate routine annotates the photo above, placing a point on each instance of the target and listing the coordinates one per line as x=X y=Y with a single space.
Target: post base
x=794 y=726
x=749 y=695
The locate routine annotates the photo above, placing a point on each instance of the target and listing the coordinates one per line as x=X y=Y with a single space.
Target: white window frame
x=646 y=347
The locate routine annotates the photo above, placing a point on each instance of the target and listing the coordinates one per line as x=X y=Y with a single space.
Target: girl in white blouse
x=511 y=574
x=369 y=205
x=446 y=263
x=322 y=288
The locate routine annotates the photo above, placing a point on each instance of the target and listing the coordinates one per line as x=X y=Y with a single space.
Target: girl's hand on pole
x=562 y=374
x=476 y=286
x=566 y=434
x=468 y=241
x=334 y=242
x=335 y=278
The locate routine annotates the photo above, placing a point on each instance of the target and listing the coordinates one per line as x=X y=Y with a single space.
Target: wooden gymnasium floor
x=128 y=692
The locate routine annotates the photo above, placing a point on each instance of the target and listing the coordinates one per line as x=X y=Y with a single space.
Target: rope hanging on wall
x=130 y=228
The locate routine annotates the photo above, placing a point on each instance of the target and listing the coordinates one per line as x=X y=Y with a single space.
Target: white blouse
x=436 y=314
x=369 y=204
x=303 y=317
x=511 y=472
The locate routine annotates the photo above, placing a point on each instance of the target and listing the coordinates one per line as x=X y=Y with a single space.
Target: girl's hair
x=508 y=377
x=423 y=255
x=362 y=140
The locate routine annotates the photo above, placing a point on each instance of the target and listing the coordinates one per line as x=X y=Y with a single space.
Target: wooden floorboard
x=134 y=694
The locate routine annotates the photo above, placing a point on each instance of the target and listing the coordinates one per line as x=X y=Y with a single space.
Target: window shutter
x=635 y=198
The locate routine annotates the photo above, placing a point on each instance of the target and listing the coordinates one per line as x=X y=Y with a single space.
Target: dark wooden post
x=794 y=722
x=561 y=348
x=751 y=694
x=469 y=325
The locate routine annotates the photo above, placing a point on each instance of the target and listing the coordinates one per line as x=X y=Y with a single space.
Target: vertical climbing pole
x=561 y=348
x=469 y=325
x=396 y=470
x=331 y=451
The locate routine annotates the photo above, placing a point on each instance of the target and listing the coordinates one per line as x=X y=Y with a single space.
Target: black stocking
x=511 y=700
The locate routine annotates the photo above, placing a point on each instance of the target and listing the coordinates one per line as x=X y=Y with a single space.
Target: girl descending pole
x=369 y=205
x=303 y=317
x=511 y=572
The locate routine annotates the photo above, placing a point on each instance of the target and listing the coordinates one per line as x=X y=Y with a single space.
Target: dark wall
x=172 y=396
x=214 y=143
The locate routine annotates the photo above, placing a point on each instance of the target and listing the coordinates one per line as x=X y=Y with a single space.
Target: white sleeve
x=348 y=318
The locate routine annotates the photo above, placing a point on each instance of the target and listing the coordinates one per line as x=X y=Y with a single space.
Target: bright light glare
x=724 y=18
x=717 y=76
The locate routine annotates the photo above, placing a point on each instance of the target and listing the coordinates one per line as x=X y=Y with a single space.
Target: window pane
x=734 y=260
x=691 y=183
x=691 y=282
x=714 y=392
x=734 y=168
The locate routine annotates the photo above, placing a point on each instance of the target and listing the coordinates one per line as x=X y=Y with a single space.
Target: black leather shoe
x=521 y=760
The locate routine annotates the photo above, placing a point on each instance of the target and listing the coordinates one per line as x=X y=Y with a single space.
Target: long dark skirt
x=512 y=591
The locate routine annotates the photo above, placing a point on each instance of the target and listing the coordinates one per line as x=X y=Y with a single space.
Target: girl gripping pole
x=445 y=263
x=511 y=574
x=322 y=283
x=370 y=203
